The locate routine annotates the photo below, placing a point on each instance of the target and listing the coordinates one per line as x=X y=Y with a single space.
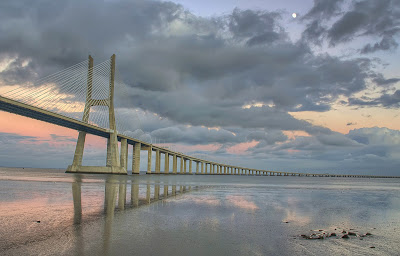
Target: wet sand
x=48 y=212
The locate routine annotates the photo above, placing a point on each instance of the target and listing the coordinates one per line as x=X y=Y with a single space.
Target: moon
x=294 y=15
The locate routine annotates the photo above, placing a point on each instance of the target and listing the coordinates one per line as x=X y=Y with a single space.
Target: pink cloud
x=241 y=148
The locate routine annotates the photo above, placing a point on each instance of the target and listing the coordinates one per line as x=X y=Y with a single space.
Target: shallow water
x=194 y=215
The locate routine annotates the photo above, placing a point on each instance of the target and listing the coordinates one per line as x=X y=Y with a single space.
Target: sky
x=237 y=82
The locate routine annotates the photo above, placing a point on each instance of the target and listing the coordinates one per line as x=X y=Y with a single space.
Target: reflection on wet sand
x=115 y=198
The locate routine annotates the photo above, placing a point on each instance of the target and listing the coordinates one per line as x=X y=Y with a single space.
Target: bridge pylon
x=113 y=165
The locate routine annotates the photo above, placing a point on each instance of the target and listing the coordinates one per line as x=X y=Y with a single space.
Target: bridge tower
x=113 y=160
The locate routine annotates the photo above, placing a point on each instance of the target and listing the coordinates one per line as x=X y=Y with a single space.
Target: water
x=201 y=215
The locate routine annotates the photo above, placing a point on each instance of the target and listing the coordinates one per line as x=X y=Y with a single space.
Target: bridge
x=55 y=99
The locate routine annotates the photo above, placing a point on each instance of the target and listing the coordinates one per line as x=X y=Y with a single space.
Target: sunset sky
x=238 y=82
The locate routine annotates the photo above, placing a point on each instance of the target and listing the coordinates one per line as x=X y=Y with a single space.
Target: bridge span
x=117 y=162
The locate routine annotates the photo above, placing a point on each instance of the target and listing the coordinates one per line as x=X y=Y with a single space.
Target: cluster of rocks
x=321 y=234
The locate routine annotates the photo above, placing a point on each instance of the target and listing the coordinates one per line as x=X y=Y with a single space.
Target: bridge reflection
x=115 y=200
x=115 y=195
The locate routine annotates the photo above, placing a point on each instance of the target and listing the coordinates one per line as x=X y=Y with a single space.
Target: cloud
x=323 y=9
x=388 y=100
x=373 y=18
x=194 y=135
x=365 y=150
x=233 y=59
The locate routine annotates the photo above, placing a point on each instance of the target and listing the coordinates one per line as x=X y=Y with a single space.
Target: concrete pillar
x=174 y=164
x=124 y=154
x=190 y=166
x=166 y=166
x=157 y=161
x=197 y=167
x=224 y=169
x=202 y=167
x=80 y=145
x=174 y=190
x=136 y=158
x=112 y=149
x=182 y=162
x=149 y=152
x=184 y=165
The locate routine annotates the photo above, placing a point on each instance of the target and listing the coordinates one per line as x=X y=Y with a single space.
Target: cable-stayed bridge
x=82 y=97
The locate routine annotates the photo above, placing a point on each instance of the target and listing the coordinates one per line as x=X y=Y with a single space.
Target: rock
x=344 y=231
x=345 y=236
x=368 y=234
x=372 y=247
x=352 y=234
x=38 y=221
x=320 y=230
x=332 y=234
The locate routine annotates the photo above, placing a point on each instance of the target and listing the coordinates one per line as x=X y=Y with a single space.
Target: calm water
x=194 y=215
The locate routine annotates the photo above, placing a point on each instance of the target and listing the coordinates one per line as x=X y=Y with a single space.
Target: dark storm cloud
x=378 y=18
x=163 y=48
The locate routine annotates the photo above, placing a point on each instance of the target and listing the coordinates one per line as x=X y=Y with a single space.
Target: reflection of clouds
x=241 y=202
x=291 y=216
x=208 y=200
x=290 y=213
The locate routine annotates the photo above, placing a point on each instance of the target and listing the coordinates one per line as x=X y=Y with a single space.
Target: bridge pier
x=174 y=164
x=184 y=165
x=157 y=170
x=181 y=169
x=166 y=165
x=135 y=158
